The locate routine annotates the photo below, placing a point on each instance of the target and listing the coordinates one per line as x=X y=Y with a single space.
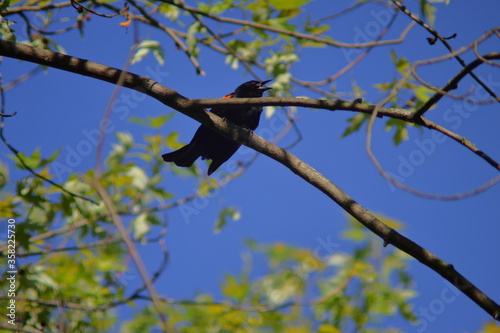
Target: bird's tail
x=183 y=157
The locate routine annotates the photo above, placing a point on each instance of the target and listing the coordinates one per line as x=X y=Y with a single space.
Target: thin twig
x=79 y=8
x=461 y=140
x=21 y=160
x=351 y=64
x=447 y=45
x=23 y=78
x=340 y=13
x=476 y=52
x=107 y=113
x=132 y=250
x=297 y=35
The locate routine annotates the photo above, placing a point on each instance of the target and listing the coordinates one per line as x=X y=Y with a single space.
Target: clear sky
x=56 y=109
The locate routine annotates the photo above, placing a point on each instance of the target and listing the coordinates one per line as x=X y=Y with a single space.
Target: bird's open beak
x=263 y=83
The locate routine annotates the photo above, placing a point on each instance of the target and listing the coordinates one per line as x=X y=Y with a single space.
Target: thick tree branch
x=193 y=109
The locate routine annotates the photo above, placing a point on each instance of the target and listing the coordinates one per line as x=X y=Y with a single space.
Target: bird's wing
x=222 y=111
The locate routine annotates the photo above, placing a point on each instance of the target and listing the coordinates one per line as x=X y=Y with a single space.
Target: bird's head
x=251 y=89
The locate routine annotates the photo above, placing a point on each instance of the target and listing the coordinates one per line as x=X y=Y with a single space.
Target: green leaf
x=157 y=122
x=36 y=161
x=422 y=94
x=235 y=289
x=206 y=186
x=251 y=243
x=50 y=159
x=385 y=86
x=161 y=193
x=216 y=8
x=428 y=11
x=191 y=39
x=317 y=30
x=6 y=31
x=393 y=223
x=402 y=64
x=169 y=11
x=144 y=321
x=172 y=140
x=355 y=235
x=153 y=122
x=326 y=328
x=276 y=65
x=32 y=161
x=4 y=174
x=244 y=49
x=280 y=23
x=139 y=54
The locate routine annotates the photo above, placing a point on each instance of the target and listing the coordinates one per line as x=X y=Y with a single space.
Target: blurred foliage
x=280 y=33
x=74 y=271
x=357 y=289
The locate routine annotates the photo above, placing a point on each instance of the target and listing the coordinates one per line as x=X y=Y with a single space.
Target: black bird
x=211 y=145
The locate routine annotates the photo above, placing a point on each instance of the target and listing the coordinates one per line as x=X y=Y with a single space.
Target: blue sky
x=56 y=109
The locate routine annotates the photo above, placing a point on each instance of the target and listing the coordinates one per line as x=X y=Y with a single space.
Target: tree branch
x=134 y=253
x=192 y=109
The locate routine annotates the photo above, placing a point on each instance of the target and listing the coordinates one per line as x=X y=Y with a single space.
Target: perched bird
x=211 y=145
